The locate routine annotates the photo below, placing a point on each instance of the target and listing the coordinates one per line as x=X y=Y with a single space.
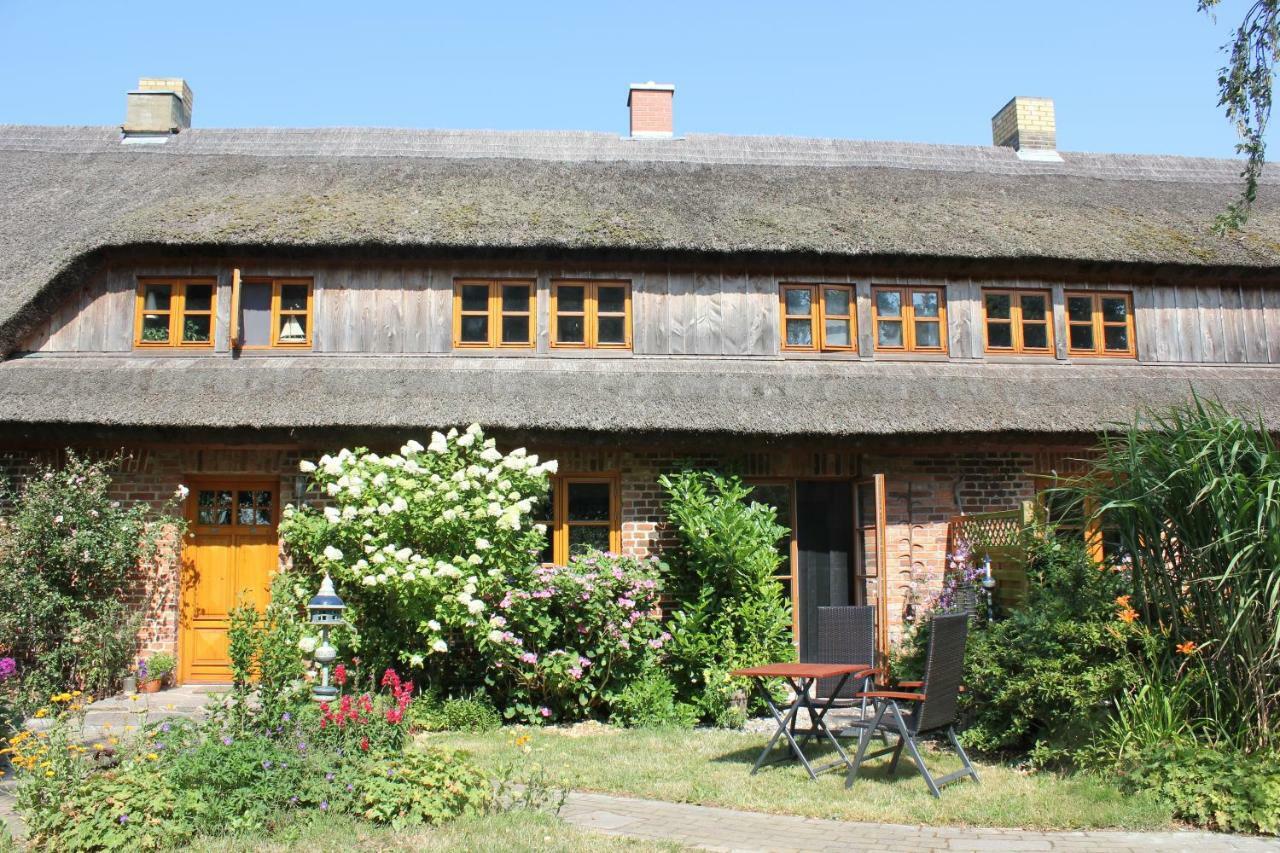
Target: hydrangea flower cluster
x=425 y=537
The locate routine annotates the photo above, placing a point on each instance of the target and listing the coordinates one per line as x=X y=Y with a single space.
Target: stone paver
x=730 y=830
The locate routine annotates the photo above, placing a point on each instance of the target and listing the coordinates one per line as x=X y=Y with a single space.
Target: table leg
x=784 y=723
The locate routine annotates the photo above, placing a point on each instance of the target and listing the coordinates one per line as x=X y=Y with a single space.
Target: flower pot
x=152 y=686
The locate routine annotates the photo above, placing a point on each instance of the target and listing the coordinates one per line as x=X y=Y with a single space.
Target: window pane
x=611 y=330
x=583 y=537
x=570 y=298
x=611 y=300
x=1082 y=337
x=155 y=328
x=156 y=297
x=588 y=502
x=837 y=332
x=515 y=330
x=293 y=297
x=475 y=297
x=925 y=303
x=889 y=333
x=569 y=330
x=1034 y=306
x=999 y=306
x=1114 y=310
x=889 y=303
x=1116 y=338
x=928 y=335
x=246 y=513
x=195 y=330
x=1079 y=308
x=475 y=329
x=1035 y=336
x=837 y=301
x=1000 y=335
x=293 y=329
x=799 y=333
x=515 y=297
x=199 y=297
x=255 y=313
x=214 y=507
x=799 y=302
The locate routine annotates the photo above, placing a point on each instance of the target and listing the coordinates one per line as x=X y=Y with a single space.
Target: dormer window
x=175 y=313
x=273 y=313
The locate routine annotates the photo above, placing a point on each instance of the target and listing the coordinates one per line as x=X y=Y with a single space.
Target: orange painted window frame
x=177 y=312
x=277 y=285
x=817 y=317
x=558 y=523
x=1016 y=322
x=908 y=319
x=494 y=312
x=1099 y=325
x=590 y=314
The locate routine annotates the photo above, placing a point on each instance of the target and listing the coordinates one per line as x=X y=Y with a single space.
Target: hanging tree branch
x=1244 y=88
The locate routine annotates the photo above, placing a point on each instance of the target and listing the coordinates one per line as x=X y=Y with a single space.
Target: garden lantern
x=325 y=611
x=989 y=586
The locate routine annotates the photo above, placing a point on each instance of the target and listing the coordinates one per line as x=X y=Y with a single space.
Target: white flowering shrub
x=422 y=544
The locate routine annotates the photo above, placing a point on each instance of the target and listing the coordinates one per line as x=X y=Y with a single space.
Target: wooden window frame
x=908 y=319
x=1100 y=326
x=177 y=312
x=494 y=312
x=817 y=317
x=1016 y=323
x=590 y=314
x=558 y=524
x=277 y=285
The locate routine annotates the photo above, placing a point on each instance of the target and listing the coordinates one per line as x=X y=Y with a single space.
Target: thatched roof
x=65 y=192
x=678 y=395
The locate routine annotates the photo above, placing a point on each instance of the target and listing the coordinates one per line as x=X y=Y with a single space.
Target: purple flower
x=164 y=727
x=324 y=805
x=286 y=716
x=350 y=787
x=266 y=764
x=226 y=740
x=8 y=668
x=124 y=818
x=328 y=777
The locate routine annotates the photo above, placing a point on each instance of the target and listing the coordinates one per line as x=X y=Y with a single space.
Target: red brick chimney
x=650 y=105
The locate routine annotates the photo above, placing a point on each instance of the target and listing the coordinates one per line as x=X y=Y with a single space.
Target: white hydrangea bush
x=422 y=543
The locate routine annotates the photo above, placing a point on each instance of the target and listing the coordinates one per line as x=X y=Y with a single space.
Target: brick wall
x=927 y=482
x=651 y=112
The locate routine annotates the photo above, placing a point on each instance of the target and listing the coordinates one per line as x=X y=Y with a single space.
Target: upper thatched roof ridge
x=591 y=146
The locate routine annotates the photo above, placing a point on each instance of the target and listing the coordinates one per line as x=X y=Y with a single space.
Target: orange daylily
x=1128 y=615
x=1187 y=648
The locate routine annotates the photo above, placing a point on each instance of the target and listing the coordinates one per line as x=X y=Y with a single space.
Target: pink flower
x=529 y=657
x=584 y=662
x=575 y=673
x=544 y=711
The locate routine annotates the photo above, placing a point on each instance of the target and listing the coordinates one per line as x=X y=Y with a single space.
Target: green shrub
x=161 y=665
x=69 y=557
x=1193 y=498
x=421 y=787
x=649 y=701
x=729 y=610
x=474 y=713
x=1218 y=789
x=1041 y=683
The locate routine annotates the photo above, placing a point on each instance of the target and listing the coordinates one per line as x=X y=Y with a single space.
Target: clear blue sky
x=1127 y=75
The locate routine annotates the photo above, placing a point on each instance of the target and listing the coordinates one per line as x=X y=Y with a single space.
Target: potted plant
x=154 y=671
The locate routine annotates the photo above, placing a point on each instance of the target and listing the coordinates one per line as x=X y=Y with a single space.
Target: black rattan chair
x=921 y=707
x=845 y=635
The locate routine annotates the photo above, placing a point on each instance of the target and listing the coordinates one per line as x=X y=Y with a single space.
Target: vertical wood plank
x=1145 y=330
x=1254 y=324
x=737 y=306
x=1190 y=340
x=1212 y=333
x=680 y=313
x=1057 y=293
x=1271 y=320
x=1164 y=302
x=1233 y=349
x=862 y=292
x=707 y=314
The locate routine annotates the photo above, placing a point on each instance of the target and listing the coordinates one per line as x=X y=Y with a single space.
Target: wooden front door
x=230 y=553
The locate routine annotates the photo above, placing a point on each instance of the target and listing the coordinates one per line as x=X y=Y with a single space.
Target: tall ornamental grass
x=1193 y=497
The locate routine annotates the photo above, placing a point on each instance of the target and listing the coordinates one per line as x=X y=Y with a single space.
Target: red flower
x=340 y=675
x=364 y=744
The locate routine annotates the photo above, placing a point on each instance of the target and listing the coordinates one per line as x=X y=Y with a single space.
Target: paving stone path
x=726 y=829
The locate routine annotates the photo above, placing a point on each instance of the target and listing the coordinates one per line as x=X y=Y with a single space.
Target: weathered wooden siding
x=407 y=308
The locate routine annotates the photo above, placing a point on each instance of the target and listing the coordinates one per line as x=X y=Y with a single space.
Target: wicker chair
x=845 y=635
x=930 y=705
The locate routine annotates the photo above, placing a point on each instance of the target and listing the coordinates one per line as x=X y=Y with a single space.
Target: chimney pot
x=1025 y=125
x=159 y=105
x=651 y=114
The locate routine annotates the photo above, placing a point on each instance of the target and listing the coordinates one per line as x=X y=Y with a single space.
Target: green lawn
x=512 y=832
x=712 y=768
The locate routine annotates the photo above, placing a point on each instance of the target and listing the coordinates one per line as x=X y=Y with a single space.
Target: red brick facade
x=928 y=481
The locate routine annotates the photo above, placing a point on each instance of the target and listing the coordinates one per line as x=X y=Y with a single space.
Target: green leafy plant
x=729 y=610
x=474 y=713
x=429 y=786
x=70 y=556
x=1193 y=498
x=161 y=665
x=1219 y=788
x=649 y=701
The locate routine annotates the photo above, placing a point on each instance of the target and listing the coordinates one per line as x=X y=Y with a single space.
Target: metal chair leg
x=864 y=740
x=964 y=757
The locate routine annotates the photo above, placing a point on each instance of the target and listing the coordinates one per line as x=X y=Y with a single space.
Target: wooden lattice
x=998 y=535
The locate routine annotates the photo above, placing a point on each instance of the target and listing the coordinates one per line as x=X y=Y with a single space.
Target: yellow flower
x=113 y=740
x=48 y=774
x=152 y=756
x=42 y=713
x=99 y=747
